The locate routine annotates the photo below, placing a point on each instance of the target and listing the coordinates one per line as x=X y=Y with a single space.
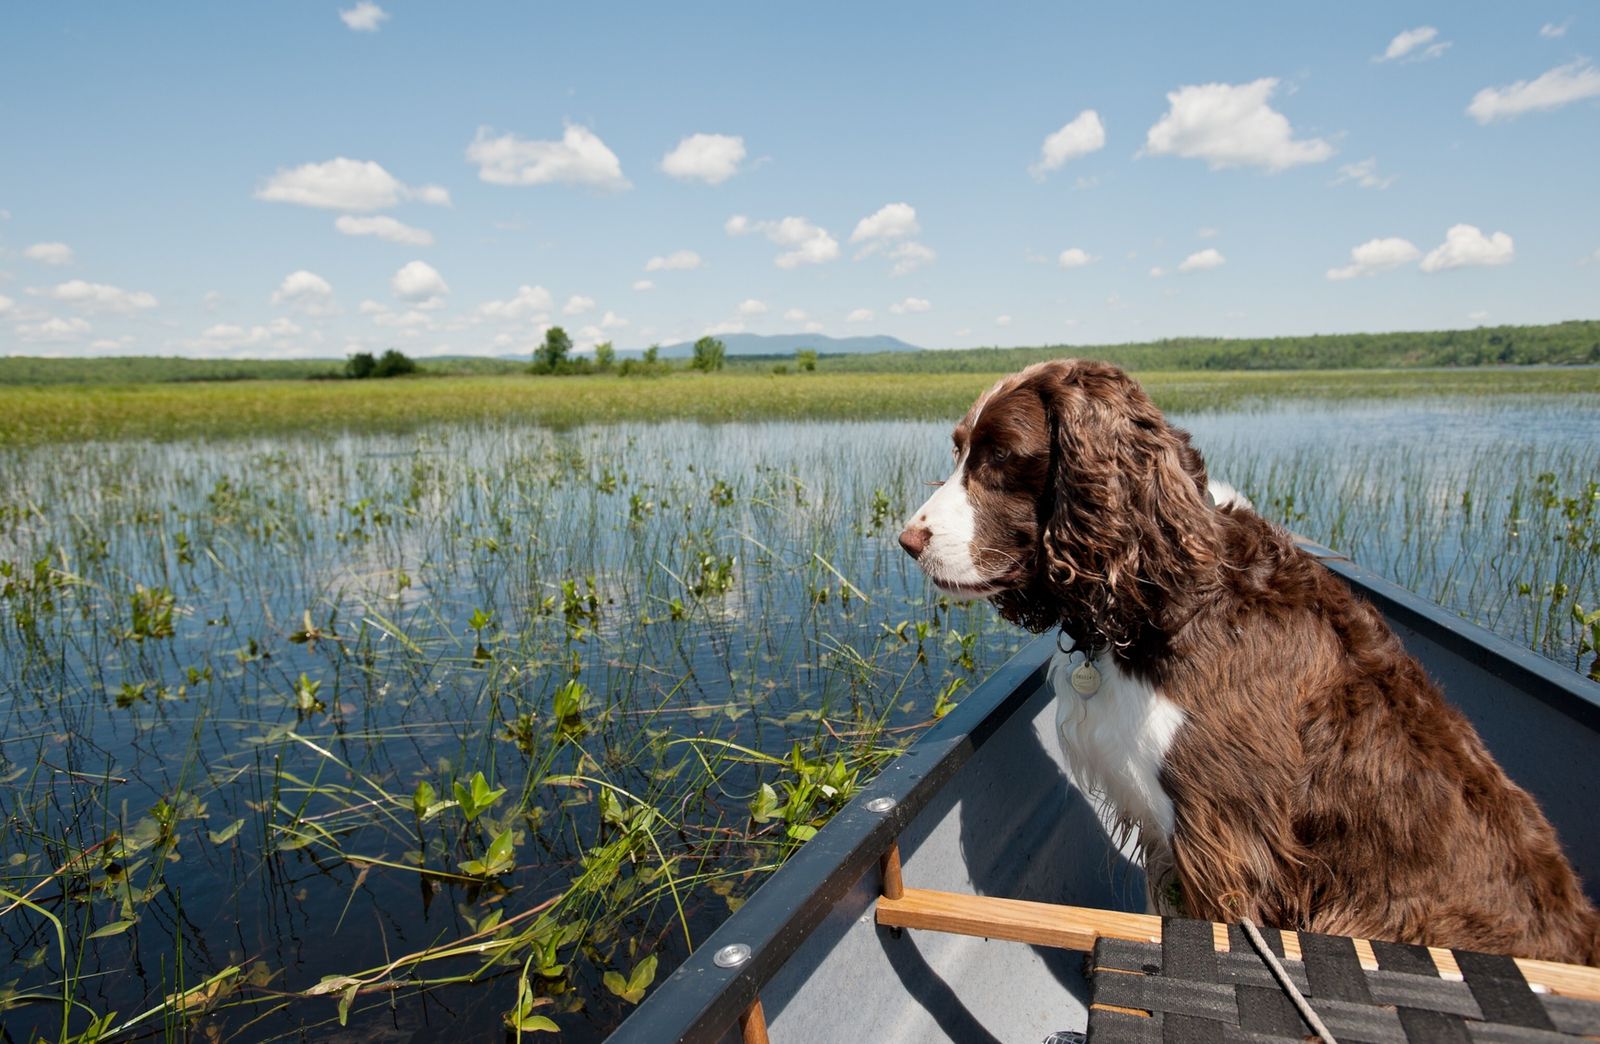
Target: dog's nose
x=914 y=539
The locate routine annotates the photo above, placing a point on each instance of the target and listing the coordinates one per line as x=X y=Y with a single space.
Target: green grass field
x=60 y=413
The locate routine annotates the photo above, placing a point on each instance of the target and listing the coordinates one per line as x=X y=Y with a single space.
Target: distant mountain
x=788 y=344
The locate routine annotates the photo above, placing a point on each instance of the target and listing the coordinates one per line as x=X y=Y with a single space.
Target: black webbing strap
x=1333 y=968
x=1501 y=991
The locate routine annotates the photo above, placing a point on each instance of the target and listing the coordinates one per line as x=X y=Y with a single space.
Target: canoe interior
x=1008 y=823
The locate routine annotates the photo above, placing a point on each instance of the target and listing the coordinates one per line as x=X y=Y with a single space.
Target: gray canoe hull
x=1001 y=818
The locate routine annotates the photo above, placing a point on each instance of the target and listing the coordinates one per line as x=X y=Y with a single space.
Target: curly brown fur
x=1320 y=781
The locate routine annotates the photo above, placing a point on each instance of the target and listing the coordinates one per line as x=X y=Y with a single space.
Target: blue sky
x=317 y=178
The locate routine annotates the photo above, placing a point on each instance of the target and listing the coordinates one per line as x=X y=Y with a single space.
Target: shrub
x=394 y=363
x=360 y=365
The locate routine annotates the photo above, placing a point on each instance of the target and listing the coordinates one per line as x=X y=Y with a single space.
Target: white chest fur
x=1115 y=741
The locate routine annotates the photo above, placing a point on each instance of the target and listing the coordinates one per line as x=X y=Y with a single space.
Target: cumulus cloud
x=910 y=255
x=6 y=304
x=1002 y=320
x=730 y=326
x=806 y=244
x=911 y=305
x=345 y=184
x=644 y=284
x=1552 y=31
x=750 y=306
x=1074 y=257
x=793 y=315
x=384 y=227
x=579 y=158
x=1203 y=260
x=577 y=304
x=1156 y=272
x=891 y=221
x=365 y=17
x=612 y=321
x=49 y=253
x=677 y=261
x=860 y=315
x=53 y=330
x=528 y=301
x=1560 y=86
x=305 y=291
x=1365 y=174
x=1231 y=125
x=223 y=336
x=711 y=158
x=420 y=284
x=1083 y=135
x=1466 y=245
x=1406 y=43
x=1376 y=255
x=99 y=297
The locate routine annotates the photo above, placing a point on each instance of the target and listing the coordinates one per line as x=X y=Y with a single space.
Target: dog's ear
x=1130 y=530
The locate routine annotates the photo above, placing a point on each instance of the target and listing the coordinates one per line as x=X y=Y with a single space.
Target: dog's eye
x=999 y=456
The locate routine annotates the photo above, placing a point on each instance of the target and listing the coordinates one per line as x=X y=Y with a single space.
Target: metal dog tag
x=1085 y=680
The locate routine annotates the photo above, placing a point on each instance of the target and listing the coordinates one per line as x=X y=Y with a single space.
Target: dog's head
x=1072 y=503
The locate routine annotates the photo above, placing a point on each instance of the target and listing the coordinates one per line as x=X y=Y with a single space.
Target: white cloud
x=1376 y=255
x=230 y=335
x=419 y=283
x=677 y=261
x=911 y=305
x=365 y=17
x=1207 y=233
x=411 y=319
x=577 y=304
x=579 y=158
x=1560 y=86
x=807 y=244
x=1231 y=125
x=813 y=327
x=1405 y=45
x=1074 y=257
x=306 y=291
x=99 y=297
x=750 y=306
x=6 y=304
x=384 y=227
x=1085 y=134
x=1364 y=174
x=1551 y=31
x=731 y=326
x=860 y=315
x=795 y=315
x=1478 y=316
x=711 y=158
x=1157 y=272
x=1202 y=260
x=527 y=302
x=891 y=221
x=49 y=253
x=371 y=307
x=1466 y=245
x=612 y=321
x=1002 y=320
x=345 y=184
x=53 y=330
x=644 y=284
x=908 y=256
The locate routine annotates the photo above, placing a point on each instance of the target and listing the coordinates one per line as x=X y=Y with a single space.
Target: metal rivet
x=731 y=955
x=880 y=804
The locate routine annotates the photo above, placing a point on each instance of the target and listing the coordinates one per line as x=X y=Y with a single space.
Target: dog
x=1277 y=752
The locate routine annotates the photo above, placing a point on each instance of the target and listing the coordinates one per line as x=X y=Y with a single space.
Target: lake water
x=227 y=669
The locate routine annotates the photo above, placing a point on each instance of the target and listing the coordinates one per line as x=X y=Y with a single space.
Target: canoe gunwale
x=1560 y=688
x=700 y=1001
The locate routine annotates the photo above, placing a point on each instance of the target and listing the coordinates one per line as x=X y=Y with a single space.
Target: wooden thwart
x=1077 y=928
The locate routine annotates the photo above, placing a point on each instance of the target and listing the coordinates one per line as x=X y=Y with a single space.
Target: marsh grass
x=486 y=726
x=57 y=413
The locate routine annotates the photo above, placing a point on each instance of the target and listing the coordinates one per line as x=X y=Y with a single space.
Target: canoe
x=981 y=805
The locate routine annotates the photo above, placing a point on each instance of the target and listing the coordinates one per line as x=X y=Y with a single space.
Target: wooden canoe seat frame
x=1077 y=928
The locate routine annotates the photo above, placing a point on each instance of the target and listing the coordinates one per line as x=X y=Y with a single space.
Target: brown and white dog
x=1280 y=755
